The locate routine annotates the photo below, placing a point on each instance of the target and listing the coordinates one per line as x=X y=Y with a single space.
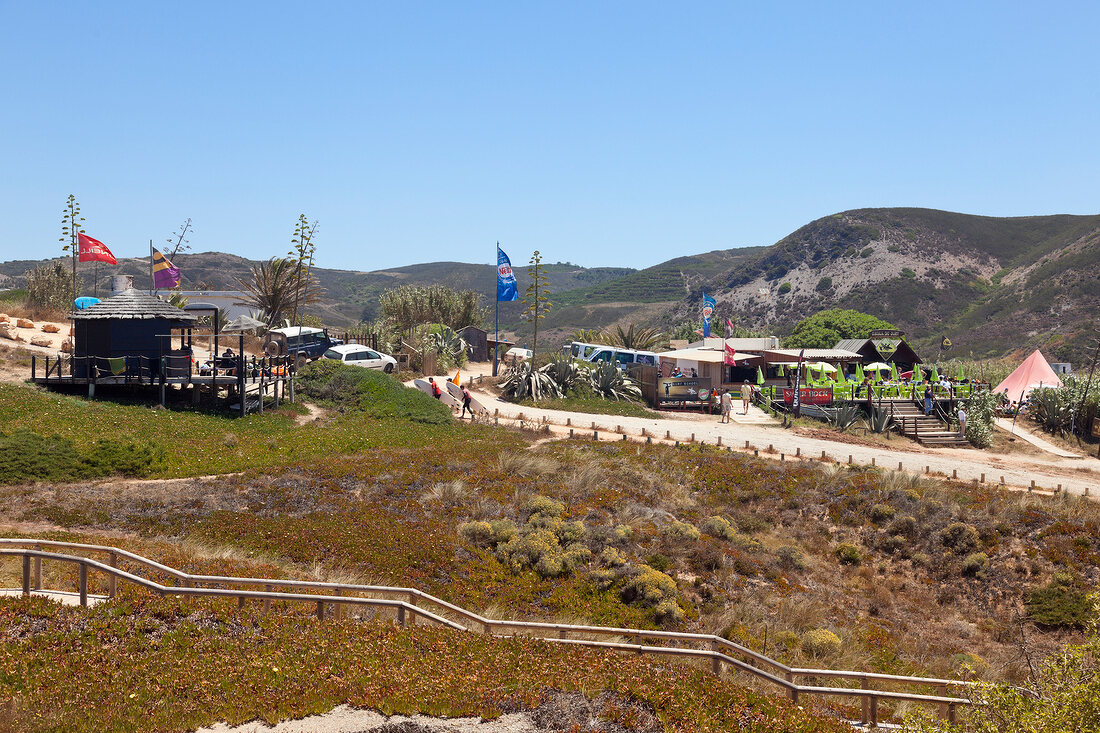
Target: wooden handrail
x=720 y=649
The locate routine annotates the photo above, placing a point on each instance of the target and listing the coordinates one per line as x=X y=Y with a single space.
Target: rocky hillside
x=993 y=285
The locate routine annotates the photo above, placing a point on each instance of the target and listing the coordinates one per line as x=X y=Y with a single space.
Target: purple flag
x=165 y=275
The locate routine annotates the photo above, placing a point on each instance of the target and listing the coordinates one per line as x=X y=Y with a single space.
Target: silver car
x=357 y=355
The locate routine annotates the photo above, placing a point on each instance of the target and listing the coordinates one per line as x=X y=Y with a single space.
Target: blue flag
x=708 y=311
x=507 y=288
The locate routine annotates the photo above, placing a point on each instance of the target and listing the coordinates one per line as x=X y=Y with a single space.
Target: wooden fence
x=409 y=606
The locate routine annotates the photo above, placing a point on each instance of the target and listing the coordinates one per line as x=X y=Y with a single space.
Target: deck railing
x=409 y=606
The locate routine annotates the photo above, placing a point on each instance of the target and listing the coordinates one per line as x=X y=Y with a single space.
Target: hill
x=993 y=285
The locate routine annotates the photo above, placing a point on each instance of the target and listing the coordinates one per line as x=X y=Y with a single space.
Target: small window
x=604 y=355
x=371 y=355
x=359 y=356
x=624 y=357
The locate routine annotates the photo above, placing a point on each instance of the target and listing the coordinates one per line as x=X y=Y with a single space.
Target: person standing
x=962 y=421
x=927 y=397
x=466 y=397
x=746 y=395
x=727 y=406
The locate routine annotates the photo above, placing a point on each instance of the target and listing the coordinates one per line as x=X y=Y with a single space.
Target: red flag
x=731 y=356
x=93 y=250
x=729 y=325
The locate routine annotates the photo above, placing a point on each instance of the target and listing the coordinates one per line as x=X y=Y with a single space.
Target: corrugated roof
x=851 y=344
x=785 y=355
x=133 y=305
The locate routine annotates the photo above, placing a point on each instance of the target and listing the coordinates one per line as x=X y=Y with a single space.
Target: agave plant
x=842 y=418
x=589 y=336
x=522 y=381
x=566 y=373
x=609 y=382
x=447 y=342
x=880 y=420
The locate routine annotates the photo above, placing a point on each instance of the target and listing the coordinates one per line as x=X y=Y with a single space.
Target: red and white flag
x=93 y=250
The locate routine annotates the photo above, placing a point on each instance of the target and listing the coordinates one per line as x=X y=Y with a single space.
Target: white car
x=357 y=355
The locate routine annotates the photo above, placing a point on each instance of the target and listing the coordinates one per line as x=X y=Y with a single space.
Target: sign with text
x=683 y=389
x=809 y=395
x=886 y=333
x=1096 y=427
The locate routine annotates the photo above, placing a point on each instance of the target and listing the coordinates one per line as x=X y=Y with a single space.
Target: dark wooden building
x=480 y=344
x=894 y=349
x=130 y=325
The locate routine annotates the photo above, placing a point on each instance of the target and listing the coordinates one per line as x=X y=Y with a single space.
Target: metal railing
x=408 y=603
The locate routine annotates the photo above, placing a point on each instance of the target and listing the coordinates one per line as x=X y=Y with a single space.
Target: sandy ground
x=1075 y=474
x=349 y=720
x=52 y=341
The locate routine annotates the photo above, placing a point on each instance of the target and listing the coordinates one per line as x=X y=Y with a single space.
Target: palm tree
x=273 y=289
x=642 y=339
x=589 y=336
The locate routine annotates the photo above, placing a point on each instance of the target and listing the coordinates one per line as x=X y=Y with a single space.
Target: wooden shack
x=130 y=325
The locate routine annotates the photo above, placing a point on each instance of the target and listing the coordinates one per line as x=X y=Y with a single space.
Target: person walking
x=927 y=397
x=746 y=395
x=466 y=397
x=436 y=391
x=962 y=421
x=727 y=406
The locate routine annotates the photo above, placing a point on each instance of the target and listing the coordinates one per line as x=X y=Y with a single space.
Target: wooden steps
x=925 y=429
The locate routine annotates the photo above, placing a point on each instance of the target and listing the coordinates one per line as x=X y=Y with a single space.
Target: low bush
x=543 y=506
x=649 y=587
x=974 y=565
x=882 y=513
x=847 y=554
x=375 y=393
x=27 y=456
x=904 y=525
x=719 y=527
x=791 y=558
x=1061 y=603
x=658 y=562
x=821 y=643
x=681 y=531
x=479 y=533
x=960 y=538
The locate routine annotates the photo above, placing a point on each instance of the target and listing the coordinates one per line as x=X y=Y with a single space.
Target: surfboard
x=445 y=397
x=456 y=392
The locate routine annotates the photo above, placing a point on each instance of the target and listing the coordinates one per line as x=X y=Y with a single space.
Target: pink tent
x=1029 y=375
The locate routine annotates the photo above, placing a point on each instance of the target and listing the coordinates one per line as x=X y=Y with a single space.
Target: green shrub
x=920 y=560
x=881 y=513
x=893 y=248
x=719 y=527
x=967 y=661
x=658 y=562
x=791 y=557
x=847 y=554
x=612 y=558
x=824 y=284
x=681 y=531
x=788 y=640
x=867 y=252
x=478 y=533
x=668 y=612
x=571 y=532
x=370 y=391
x=649 y=587
x=784 y=288
x=543 y=506
x=503 y=530
x=975 y=564
x=904 y=525
x=1060 y=603
x=820 y=643
x=960 y=538
x=908 y=273
x=25 y=455
x=891 y=543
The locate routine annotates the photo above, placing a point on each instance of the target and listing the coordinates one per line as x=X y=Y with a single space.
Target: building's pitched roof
x=133 y=305
x=851 y=344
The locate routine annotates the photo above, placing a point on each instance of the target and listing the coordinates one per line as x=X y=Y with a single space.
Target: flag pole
x=152 y=286
x=496 y=322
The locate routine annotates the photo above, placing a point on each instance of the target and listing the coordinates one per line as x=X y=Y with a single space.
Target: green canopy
x=893 y=372
x=781 y=373
x=859 y=373
x=759 y=376
x=960 y=375
x=935 y=374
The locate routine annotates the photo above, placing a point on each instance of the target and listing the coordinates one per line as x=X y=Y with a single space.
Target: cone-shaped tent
x=1029 y=375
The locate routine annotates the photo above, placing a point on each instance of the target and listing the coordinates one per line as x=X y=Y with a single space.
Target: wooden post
x=874 y=712
x=595 y=435
x=849 y=459
x=112 y=581
x=26 y=575
x=412 y=615
x=320 y=610
x=83 y=584
x=899 y=465
x=864 y=684
x=240 y=603
x=954 y=473
x=797 y=451
x=982 y=480
x=267 y=601
x=1032 y=486
x=719 y=441
x=715 y=662
x=872 y=461
x=401 y=615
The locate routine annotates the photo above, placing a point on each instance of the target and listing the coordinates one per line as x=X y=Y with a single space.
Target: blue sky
x=607 y=133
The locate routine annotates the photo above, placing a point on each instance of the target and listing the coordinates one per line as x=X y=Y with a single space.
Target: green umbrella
x=893 y=372
x=960 y=376
x=859 y=372
x=759 y=376
x=781 y=373
x=935 y=374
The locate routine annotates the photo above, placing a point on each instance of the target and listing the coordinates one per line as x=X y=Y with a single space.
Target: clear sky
x=601 y=133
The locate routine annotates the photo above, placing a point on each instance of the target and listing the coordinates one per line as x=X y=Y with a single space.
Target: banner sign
x=708 y=310
x=507 y=288
x=683 y=389
x=796 y=396
x=809 y=396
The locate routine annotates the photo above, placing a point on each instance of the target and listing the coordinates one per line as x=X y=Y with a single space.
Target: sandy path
x=1074 y=474
x=345 y=719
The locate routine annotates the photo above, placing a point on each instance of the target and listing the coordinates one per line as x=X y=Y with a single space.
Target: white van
x=601 y=352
